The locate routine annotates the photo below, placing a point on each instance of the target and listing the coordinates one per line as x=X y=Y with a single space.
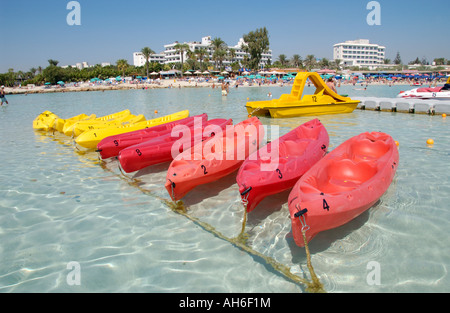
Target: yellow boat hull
x=91 y=138
x=303 y=110
x=60 y=122
x=323 y=101
x=120 y=121
x=45 y=121
x=69 y=129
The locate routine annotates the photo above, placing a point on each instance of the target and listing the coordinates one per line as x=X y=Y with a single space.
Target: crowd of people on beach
x=224 y=83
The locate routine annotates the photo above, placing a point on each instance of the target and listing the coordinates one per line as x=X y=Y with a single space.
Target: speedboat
x=436 y=93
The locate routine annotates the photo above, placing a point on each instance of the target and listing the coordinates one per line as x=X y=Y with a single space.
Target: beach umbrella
x=205 y=72
x=47 y=83
x=60 y=82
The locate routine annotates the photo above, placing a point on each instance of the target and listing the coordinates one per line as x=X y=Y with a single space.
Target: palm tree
x=232 y=53
x=53 y=62
x=296 y=60
x=282 y=59
x=310 y=62
x=192 y=59
x=337 y=64
x=201 y=55
x=181 y=48
x=219 y=46
x=324 y=63
x=147 y=52
x=220 y=55
x=122 y=65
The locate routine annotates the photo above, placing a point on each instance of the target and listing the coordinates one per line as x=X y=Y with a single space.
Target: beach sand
x=165 y=83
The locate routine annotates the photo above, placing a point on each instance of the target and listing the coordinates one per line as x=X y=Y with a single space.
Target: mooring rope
x=178 y=207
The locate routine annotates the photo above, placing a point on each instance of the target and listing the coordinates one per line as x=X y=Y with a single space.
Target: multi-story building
x=139 y=59
x=170 y=55
x=359 y=53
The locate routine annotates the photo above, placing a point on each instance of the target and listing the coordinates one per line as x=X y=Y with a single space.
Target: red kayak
x=111 y=146
x=342 y=185
x=213 y=158
x=278 y=166
x=164 y=148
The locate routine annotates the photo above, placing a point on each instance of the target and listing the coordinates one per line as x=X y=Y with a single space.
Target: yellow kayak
x=91 y=138
x=120 y=121
x=44 y=121
x=69 y=123
x=60 y=122
x=68 y=131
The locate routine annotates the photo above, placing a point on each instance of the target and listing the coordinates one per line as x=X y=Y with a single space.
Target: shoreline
x=170 y=83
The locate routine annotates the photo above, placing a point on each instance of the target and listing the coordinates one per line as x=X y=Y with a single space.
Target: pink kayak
x=164 y=148
x=112 y=145
x=278 y=166
x=343 y=184
x=214 y=158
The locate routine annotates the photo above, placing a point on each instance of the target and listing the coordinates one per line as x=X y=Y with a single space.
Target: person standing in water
x=2 y=96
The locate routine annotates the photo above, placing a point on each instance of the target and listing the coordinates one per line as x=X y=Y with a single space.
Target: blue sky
x=34 y=31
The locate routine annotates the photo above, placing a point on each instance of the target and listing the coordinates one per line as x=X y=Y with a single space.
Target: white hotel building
x=359 y=53
x=170 y=55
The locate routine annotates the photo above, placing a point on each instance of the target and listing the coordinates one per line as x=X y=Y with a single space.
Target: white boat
x=436 y=93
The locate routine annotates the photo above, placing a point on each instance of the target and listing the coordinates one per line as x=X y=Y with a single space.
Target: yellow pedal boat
x=323 y=101
x=90 y=139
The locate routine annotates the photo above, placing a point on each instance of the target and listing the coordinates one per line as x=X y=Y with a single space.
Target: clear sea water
x=58 y=205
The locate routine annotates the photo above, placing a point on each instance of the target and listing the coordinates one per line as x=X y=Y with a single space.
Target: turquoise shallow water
x=58 y=205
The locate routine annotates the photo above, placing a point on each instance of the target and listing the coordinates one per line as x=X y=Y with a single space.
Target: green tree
x=324 y=63
x=181 y=48
x=52 y=74
x=256 y=43
x=122 y=65
x=232 y=55
x=53 y=62
x=398 y=59
x=219 y=47
x=310 y=62
x=283 y=60
x=201 y=54
x=147 y=52
x=337 y=64
x=296 y=60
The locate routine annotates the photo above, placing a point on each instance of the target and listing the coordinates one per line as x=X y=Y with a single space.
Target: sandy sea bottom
x=59 y=205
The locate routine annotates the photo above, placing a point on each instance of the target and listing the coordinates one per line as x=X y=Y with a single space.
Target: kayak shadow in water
x=323 y=240
x=269 y=205
x=207 y=191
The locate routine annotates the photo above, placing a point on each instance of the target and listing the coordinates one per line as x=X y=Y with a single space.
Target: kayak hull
x=213 y=158
x=279 y=165
x=343 y=184
x=112 y=145
x=164 y=148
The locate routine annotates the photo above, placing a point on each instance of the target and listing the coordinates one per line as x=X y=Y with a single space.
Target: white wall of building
x=170 y=55
x=359 y=53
